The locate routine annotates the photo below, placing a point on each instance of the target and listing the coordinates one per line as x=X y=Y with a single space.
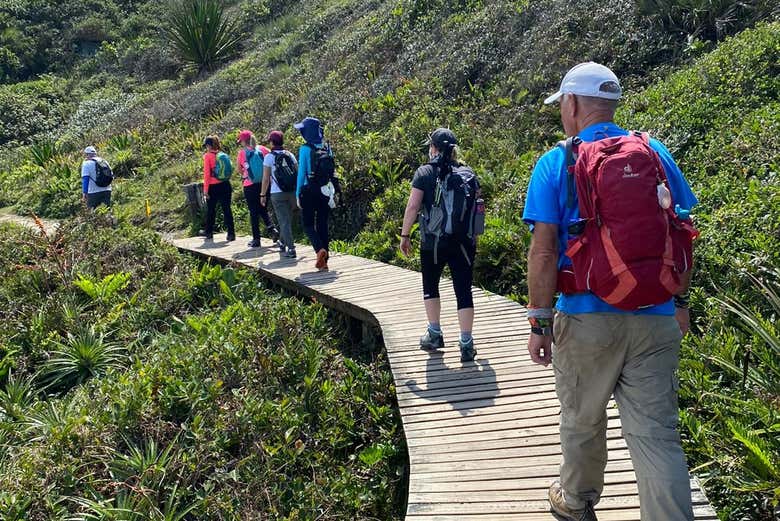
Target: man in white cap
x=601 y=350
x=96 y=179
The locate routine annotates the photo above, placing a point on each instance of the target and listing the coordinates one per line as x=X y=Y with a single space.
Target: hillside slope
x=381 y=75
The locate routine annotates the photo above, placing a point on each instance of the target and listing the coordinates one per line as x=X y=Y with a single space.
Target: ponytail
x=215 y=143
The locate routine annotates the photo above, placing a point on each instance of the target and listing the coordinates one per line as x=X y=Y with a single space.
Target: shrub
x=31 y=110
x=707 y=19
x=202 y=33
x=82 y=355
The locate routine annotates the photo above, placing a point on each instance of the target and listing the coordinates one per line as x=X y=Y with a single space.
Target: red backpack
x=629 y=250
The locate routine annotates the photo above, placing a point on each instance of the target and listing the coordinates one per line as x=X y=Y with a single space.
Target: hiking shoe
x=431 y=341
x=281 y=246
x=273 y=233
x=322 y=259
x=208 y=237
x=467 y=351
x=290 y=254
x=230 y=237
x=254 y=243
x=563 y=512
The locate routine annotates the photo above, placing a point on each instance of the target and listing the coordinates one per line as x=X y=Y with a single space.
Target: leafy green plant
x=42 y=152
x=105 y=289
x=202 y=33
x=17 y=396
x=761 y=361
x=81 y=356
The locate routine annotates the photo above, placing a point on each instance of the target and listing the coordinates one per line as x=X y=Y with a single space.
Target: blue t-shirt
x=304 y=166
x=546 y=202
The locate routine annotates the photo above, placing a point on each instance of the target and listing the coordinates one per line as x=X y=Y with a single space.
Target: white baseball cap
x=90 y=151
x=589 y=79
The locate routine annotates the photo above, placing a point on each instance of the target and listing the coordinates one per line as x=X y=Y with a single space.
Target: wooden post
x=193 y=193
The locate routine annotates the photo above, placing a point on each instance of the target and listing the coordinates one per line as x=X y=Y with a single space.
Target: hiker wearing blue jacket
x=314 y=204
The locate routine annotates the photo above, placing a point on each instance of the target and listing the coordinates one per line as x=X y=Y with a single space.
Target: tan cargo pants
x=634 y=358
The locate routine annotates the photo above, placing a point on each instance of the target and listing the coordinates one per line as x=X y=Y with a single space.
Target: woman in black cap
x=444 y=194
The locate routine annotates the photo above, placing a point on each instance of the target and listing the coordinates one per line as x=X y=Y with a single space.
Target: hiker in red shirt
x=609 y=213
x=216 y=190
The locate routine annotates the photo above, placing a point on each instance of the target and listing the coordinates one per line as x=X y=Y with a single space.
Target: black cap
x=208 y=142
x=442 y=139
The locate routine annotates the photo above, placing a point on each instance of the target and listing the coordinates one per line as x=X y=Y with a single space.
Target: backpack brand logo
x=628 y=173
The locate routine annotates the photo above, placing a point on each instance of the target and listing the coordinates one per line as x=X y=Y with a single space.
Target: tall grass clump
x=202 y=33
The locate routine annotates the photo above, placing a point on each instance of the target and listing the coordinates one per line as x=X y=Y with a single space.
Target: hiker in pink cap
x=250 y=165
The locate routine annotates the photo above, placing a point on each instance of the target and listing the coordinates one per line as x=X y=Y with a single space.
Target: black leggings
x=460 y=258
x=314 y=214
x=222 y=194
x=257 y=211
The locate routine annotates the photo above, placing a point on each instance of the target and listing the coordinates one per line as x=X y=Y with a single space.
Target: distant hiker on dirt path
x=250 y=165
x=317 y=187
x=611 y=234
x=96 y=177
x=217 y=170
x=280 y=178
x=446 y=196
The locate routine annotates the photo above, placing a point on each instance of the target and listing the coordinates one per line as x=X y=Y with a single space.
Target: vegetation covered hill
x=703 y=76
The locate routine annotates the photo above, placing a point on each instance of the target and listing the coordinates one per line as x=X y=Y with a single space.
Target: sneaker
x=467 y=351
x=273 y=233
x=431 y=341
x=322 y=259
x=254 y=243
x=281 y=246
x=208 y=237
x=563 y=512
x=230 y=237
x=290 y=254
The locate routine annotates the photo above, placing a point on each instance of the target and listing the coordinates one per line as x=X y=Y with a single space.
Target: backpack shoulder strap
x=569 y=147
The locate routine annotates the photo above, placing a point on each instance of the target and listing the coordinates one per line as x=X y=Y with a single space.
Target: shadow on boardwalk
x=467 y=387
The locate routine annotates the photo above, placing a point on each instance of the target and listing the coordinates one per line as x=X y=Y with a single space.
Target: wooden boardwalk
x=482 y=436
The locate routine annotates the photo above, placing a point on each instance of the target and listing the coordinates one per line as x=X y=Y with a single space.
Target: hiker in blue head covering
x=315 y=187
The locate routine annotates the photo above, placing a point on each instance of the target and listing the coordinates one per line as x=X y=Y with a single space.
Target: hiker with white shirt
x=96 y=177
x=280 y=173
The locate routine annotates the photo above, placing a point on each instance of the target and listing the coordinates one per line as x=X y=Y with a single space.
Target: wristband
x=540 y=313
x=682 y=301
x=405 y=236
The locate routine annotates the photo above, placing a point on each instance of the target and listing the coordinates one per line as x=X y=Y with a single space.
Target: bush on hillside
x=707 y=19
x=31 y=110
x=202 y=33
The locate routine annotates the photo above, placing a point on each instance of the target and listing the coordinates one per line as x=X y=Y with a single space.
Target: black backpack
x=103 y=173
x=454 y=212
x=285 y=175
x=323 y=166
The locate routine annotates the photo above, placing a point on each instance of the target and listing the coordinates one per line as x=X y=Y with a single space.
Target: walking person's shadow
x=467 y=386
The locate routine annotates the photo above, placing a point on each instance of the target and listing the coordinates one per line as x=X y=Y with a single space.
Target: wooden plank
x=483 y=437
